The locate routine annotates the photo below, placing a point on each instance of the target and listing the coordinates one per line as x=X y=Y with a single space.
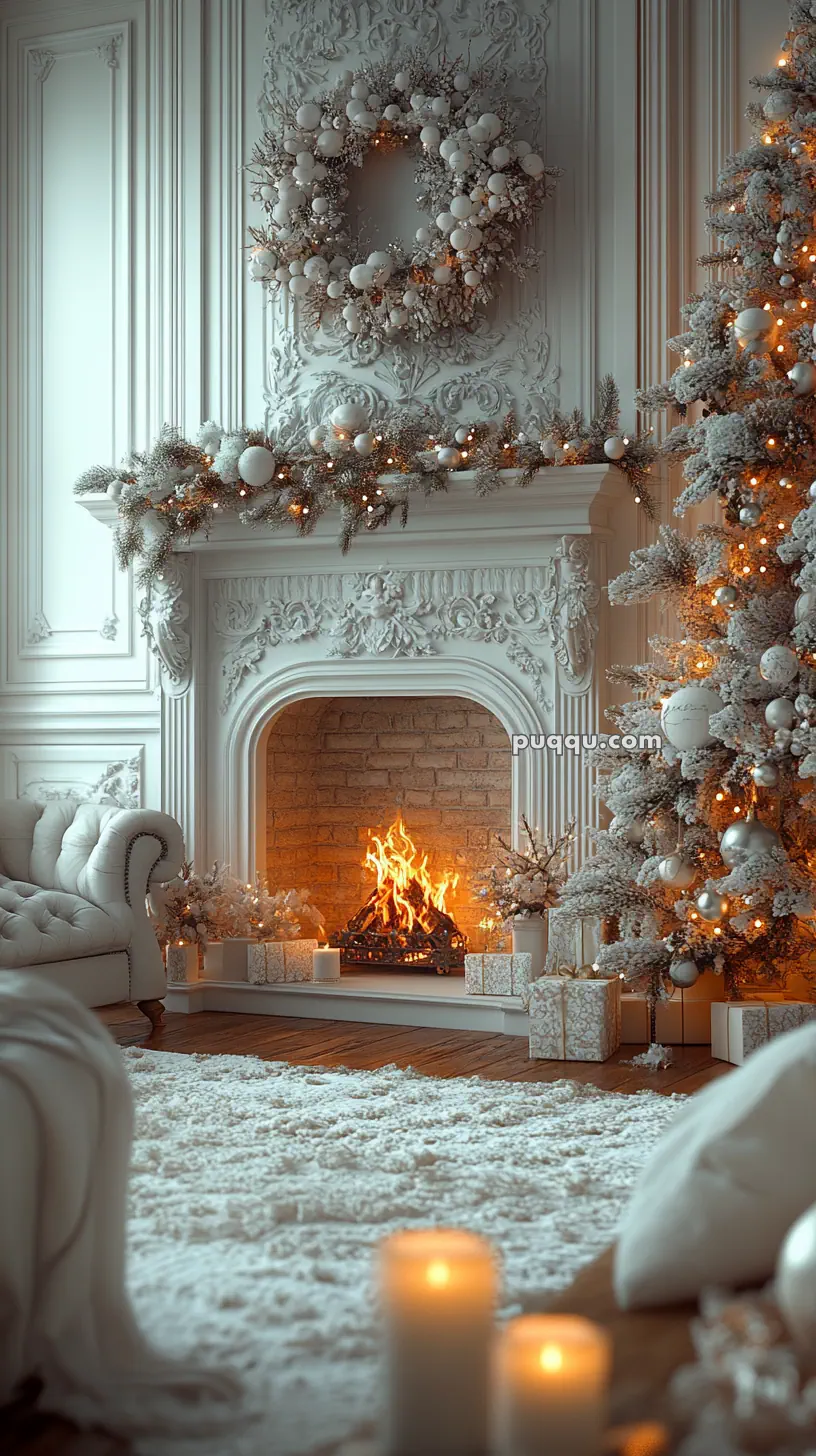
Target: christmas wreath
x=478 y=180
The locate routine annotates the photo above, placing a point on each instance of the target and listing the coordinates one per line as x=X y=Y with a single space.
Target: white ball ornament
x=778 y=664
x=461 y=81
x=491 y=124
x=795 y=1285
x=296 y=267
x=280 y=213
x=373 y=101
x=779 y=105
x=402 y=81
x=330 y=143
x=500 y=157
x=317 y=436
x=335 y=288
x=422 y=235
x=635 y=833
x=282 y=273
x=803 y=377
x=392 y=113
x=256 y=465
x=725 y=596
x=459 y=160
x=354 y=323
x=472 y=278
x=497 y=183
x=686 y=714
x=684 y=974
x=365 y=443
x=449 y=457
x=447 y=147
x=676 y=872
x=442 y=274
x=753 y=323
x=294 y=199
x=365 y=121
x=805 y=606
x=316 y=269
x=410 y=298
x=461 y=208
x=300 y=286
x=302 y=175
x=354 y=108
x=460 y=239
x=780 y=713
x=532 y=164
x=445 y=221
x=114 y=490
x=382 y=263
x=614 y=448
x=359 y=90
x=418 y=100
x=440 y=106
x=349 y=416
x=361 y=276
x=478 y=134
x=495 y=202
x=521 y=148
x=786 y=280
x=320 y=206
x=476 y=238
x=430 y=136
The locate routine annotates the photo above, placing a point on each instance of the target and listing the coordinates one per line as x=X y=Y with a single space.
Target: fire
x=405 y=891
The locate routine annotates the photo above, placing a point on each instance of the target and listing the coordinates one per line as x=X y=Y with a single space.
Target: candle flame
x=551 y=1358
x=438 y=1274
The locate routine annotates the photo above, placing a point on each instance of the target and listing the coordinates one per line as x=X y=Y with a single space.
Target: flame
x=395 y=861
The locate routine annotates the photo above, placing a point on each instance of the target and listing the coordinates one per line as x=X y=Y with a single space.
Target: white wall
x=125 y=300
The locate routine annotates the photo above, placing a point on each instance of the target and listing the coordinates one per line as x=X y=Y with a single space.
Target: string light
x=767 y=139
x=763 y=569
x=754 y=480
x=693 y=915
x=780 y=525
x=719 y=797
x=717 y=930
x=758 y=924
x=780 y=348
x=741 y=546
x=737 y=809
x=771 y=442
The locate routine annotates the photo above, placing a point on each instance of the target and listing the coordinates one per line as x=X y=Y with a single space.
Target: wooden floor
x=647 y=1347
x=364 y=1046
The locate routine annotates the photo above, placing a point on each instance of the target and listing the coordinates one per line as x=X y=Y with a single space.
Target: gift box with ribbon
x=574 y=1019
x=182 y=964
x=492 y=974
x=739 y=1028
x=271 y=961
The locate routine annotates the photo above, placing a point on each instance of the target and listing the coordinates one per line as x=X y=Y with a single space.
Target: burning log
x=404 y=921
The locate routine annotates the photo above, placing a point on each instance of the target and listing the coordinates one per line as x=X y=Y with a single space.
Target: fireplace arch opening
x=340 y=770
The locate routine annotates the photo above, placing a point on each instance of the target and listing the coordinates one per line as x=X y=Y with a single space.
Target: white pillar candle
x=326 y=963
x=439 y=1293
x=552 y=1382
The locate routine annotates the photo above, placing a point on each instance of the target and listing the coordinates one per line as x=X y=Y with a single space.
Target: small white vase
x=530 y=934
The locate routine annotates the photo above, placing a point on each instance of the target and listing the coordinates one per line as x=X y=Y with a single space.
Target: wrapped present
x=575 y=1020
x=491 y=974
x=271 y=961
x=679 y=1021
x=739 y=1028
x=182 y=964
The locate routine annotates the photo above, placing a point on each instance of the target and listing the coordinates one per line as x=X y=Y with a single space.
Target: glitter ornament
x=684 y=973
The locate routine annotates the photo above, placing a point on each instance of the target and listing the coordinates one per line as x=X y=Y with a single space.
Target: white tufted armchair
x=73 y=882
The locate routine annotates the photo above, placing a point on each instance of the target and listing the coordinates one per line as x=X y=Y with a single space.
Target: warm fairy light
x=767 y=139
x=803 y=304
x=780 y=525
x=714 y=602
x=733 y=207
x=741 y=546
x=782 y=61
x=717 y=930
x=771 y=442
x=780 y=348
x=767 y=307
x=280 y=475
x=737 y=809
x=242 y=492
x=746 y=571
x=693 y=915
x=378 y=438
x=700 y=664
x=757 y=924
x=755 y=480
x=763 y=540
x=626 y=439
x=364 y=498
x=305 y=510
x=464 y=454
x=637 y=500
x=763 y=569
x=780 y=322
x=379 y=492
x=566 y=447
x=719 y=797
x=390 y=460
x=330 y=465
x=369 y=508
x=215 y=505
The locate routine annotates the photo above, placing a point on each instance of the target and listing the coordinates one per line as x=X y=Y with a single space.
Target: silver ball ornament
x=614 y=448
x=683 y=974
x=725 y=596
x=765 y=775
x=803 y=377
x=750 y=514
x=635 y=832
x=780 y=713
x=734 y=843
x=676 y=871
x=711 y=906
x=812 y=490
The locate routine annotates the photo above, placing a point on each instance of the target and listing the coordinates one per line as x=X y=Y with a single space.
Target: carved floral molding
x=533 y=613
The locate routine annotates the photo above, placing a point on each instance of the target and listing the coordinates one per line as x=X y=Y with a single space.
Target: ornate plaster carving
x=109 y=628
x=108 y=51
x=39 y=629
x=119 y=783
x=574 y=625
x=390 y=613
x=42 y=63
x=165 y=616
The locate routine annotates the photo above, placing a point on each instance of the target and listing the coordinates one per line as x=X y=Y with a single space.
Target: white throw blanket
x=65 y=1138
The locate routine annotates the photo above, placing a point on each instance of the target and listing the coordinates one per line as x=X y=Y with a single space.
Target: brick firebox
x=339 y=767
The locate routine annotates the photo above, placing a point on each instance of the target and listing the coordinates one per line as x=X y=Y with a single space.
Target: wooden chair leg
x=153 y=1010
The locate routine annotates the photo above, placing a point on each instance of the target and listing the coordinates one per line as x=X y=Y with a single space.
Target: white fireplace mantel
x=498 y=599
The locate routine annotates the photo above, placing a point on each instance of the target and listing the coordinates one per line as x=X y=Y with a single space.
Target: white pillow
x=723 y=1187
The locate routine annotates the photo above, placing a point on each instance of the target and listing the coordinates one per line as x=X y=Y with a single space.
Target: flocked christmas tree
x=709 y=862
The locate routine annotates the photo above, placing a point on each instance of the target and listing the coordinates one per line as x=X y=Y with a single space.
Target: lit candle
x=439 y=1294
x=326 y=963
x=551 y=1398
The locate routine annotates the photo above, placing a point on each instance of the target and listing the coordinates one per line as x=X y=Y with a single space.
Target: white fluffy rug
x=259 y=1191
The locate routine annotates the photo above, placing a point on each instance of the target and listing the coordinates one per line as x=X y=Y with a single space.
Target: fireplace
x=340 y=771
